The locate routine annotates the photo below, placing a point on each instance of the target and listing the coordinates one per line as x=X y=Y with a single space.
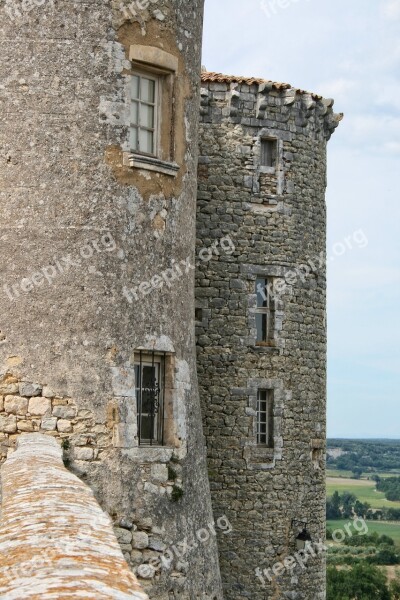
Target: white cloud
x=391 y=9
x=337 y=88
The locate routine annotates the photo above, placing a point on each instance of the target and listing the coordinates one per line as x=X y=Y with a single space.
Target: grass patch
x=382 y=528
x=362 y=488
x=337 y=473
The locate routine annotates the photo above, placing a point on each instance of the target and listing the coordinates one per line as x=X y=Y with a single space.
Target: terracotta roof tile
x=221 y=78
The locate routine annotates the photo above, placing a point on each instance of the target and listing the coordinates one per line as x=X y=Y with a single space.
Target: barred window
x=150 y=397
x=265 y=418
x=265 y=311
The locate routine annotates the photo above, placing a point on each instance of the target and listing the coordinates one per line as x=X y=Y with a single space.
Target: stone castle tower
x=260 y=316
x=99 y=150
x=98 y=165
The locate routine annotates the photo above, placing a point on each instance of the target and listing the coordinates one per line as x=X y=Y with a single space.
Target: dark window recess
x=198 y=314
x=265 y=311
x=265 y=418
x=269 y=151
x=150 y=395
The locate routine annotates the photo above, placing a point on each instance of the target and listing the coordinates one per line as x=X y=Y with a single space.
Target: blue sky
x=350 y=51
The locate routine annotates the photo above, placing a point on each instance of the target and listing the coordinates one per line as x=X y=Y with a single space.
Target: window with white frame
x=144 y=113
x=150 y=397
x=265 y=418
x=265 y=310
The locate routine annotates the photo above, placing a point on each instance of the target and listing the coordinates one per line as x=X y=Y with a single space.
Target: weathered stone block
x=159 y=472
x=29 y=389
x=8 y=424
x=81 y=453
x=25 y=426
x=16 y=405
x=123 y=535
x=140 y=540
x=64 y=412
x=156 y=544
x=145 y=571
x=49 y=423
x=48 y=392
x=8 y=388
x=64 y=426
x=39 y=406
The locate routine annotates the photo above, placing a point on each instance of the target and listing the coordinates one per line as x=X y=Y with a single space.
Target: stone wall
x=55 y=541
x=276 y=219
x=82 y=225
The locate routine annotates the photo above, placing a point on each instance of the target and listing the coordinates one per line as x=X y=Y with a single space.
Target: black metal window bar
x=265 y=310
x=150 y=393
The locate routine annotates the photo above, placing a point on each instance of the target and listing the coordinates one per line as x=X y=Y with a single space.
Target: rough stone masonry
x=262 y=179
x=68 y=189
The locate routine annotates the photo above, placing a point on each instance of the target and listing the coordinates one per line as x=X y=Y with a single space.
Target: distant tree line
x=390 y=487
x=362 y=582
x=367 y=455
x=347 y=506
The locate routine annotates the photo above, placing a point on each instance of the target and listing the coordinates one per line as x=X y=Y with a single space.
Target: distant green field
x=348 y=474
x=337 y=473
x=363 y=489
x=390 y=529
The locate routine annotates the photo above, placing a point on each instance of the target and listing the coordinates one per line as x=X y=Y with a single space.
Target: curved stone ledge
x=55 y=540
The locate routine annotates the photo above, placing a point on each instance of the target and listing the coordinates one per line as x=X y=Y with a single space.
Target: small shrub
x=177 y=493
x=172 y=475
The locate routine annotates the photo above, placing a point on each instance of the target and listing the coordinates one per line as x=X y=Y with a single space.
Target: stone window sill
x=268 y=170
x=150 y=454
x=151 y=163
x=266 y=349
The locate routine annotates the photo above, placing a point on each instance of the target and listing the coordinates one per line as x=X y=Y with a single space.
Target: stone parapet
x=55 y=540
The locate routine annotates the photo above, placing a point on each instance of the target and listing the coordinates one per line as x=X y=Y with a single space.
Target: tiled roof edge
x=208 y=76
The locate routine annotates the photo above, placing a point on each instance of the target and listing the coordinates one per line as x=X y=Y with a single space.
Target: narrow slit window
x=269 y=152
x=143 y=126
x=265 y=418
x=265 y=311
x=150 y=394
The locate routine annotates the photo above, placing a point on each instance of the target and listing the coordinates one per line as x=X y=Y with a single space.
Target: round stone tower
x=98 y=140
x=260 y=311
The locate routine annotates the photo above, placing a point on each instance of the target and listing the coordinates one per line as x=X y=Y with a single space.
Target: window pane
x=135 y=113
x=133 y=138
x=149 y=376
x=262 y=292
x=146 y=142
x=147 y=116
x=135 y=86
x=261 y=324
x=268 y=153
x=265 y=418
x=148 y=404
x=146 y=432
x=147 y=90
